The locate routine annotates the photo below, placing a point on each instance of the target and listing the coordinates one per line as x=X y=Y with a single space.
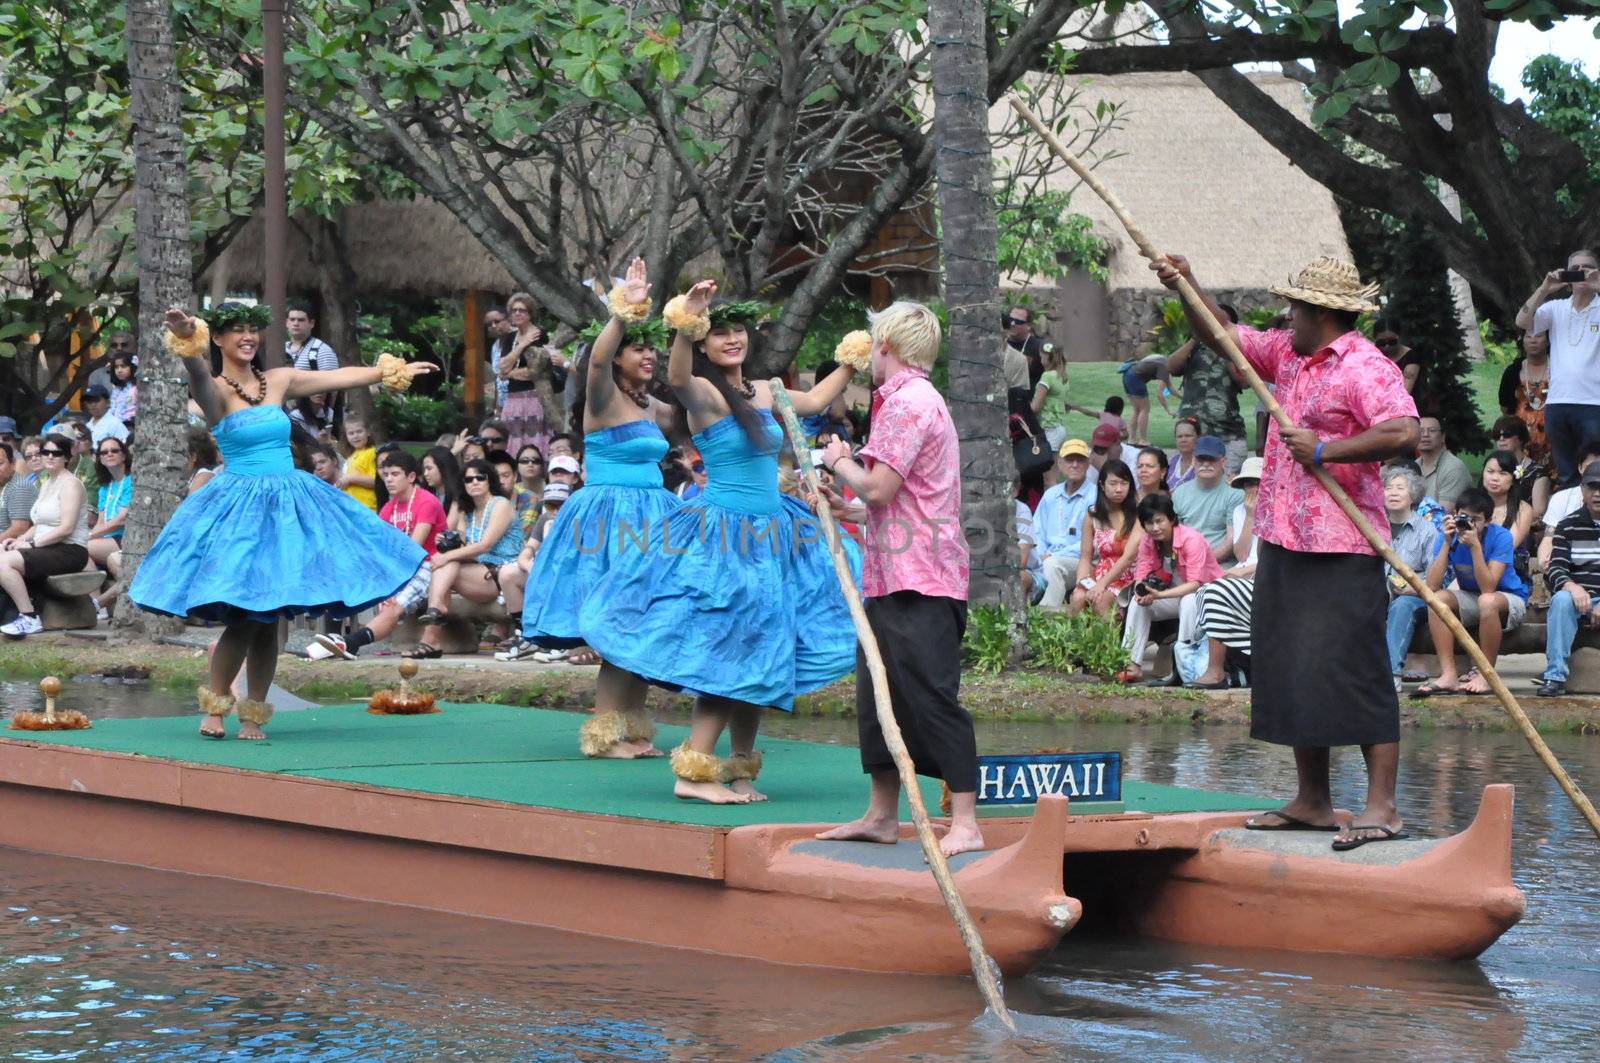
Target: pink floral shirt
x=1191 y=555
x=1341 y=391
x=914 y=541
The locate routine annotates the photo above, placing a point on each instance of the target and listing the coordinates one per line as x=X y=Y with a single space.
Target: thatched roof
x=1201 y=183
x=395 y=246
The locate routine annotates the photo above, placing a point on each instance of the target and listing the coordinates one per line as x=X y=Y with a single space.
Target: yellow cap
x=1073 y=447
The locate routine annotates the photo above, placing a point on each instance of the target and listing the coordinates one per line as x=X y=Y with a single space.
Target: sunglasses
x=1386 y=343
x=52 y=453
x=529 y=461
x=1010 y=321
x=474 y=479
x=498 y=441
x=108 y=450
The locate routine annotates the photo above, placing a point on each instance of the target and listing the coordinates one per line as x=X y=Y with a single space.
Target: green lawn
x=1090 y=383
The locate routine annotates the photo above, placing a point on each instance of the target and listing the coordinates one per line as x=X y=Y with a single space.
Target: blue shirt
x=1497 y=546
x=114 y=498
x=1058 y=522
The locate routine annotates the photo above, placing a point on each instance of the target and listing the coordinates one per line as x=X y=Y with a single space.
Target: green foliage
x=839 y=315
x=418 y=417
x=987 y=644
x=1172 y=330
x=1039 y=237
x=1567 y=101
x=1087 y=642
x=1495 y=349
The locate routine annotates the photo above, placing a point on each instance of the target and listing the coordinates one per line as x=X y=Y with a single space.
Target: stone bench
x=1529 y=637
x=65 y=603
x=460 y=632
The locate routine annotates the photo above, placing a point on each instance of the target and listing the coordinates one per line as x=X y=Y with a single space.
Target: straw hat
x=1331 y=283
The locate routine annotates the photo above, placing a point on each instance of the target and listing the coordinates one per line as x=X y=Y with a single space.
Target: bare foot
x=744 y=786
x=251 y=732
x=712 y=793
x=629 y=749
x=960 y=840
x=211 y=727
x=865 y=829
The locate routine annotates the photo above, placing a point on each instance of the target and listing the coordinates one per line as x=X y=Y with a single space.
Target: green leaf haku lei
x=748 y=312
x=220 y=318
x=652 y=332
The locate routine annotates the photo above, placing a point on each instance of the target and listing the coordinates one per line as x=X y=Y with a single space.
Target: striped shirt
x=1575 y=553
x=314 y=355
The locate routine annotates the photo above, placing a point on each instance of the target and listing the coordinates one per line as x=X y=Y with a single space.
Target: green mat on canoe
x=530 y=757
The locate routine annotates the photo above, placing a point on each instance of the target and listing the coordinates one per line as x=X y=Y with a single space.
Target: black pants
x=919 y=638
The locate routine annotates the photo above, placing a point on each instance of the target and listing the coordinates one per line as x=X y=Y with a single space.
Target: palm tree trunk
x=972 y=282
x=161 y=212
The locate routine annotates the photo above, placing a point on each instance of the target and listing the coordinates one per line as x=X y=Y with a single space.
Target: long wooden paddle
x=1220 y=339
x=984 y=969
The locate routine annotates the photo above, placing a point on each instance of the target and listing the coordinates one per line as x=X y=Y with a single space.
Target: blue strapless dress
x=263 y=540
x=620 y=504
x=733 y=595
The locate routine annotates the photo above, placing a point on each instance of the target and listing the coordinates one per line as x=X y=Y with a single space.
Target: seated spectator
x=1511 y=508
x=1031 y=571
x=1205 y=503
x=1386 y=337
x=83 y=456
x=691 y=475
x=1563 y=503
x=442 y=476
x=555 y=496
x=1574 y=581
x=55 y=545
x=564 y=444
x=124 y=389
x=505 y=467
x=17 y=495
x=835 y=418
x=1174 y=563
x=1533 y=480
x=1111 y=535
x=8 y=433
x=514 y=582
x=325 y=464
x=114 y=467
x=564 y=469
x=204 y=459
x=1225 y=604
x=102 y=424
x=491 y=537
x=1058 y=522
x=32 y=459
x=1416 y=540
x=359 y=475
x=1186 y=430
x=1444 y=476
x=417 y=513
x=1150 y=472
x=1104 y=445
x=1479 y=553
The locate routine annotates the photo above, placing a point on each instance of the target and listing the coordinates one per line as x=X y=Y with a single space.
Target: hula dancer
x=264 y=540
x=907 y=482
x=732 y=598
x=621 y=503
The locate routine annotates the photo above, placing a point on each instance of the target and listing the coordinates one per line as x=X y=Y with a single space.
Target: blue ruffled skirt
x=598 y=525
x=260 y=547
x=729 y=604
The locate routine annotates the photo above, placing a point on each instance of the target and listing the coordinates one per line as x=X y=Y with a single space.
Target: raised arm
x=195 y=355
x=822 y=393
x=602 y=386
x=699 y=398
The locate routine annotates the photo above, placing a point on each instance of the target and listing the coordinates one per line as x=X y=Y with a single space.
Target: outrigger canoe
x=490 y=811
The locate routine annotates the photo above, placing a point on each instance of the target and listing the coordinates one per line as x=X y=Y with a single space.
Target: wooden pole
x=984 y=968
x=1221 y=339
x=275 y=209
x=477 y=304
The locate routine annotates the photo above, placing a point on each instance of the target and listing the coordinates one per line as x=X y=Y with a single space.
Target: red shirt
x=1341 y=391
x=423 y=508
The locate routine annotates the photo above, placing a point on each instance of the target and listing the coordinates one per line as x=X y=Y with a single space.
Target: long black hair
x=103 y=474
x=738 y=405
x=1128 y=508
x=451 y=491
x=1521 y=486
x=486 y=467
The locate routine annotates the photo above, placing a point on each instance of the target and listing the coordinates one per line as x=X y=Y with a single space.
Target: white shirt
x=1574 y=350
x=1237 y=522
x=1563 y=504
x=107 y=427
x=314 y=355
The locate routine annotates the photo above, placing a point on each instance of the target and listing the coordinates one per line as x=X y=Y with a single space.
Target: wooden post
x=472 y=371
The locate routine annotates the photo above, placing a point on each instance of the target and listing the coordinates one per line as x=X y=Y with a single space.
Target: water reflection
x=105 y=961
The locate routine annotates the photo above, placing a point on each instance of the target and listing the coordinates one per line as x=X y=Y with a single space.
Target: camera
x=449 y=540
x=1571 y=276
x=1141 y=589
x=1463 y=522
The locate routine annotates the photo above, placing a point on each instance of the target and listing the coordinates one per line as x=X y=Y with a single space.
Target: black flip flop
x=1344 y=845
x=1432 y=690
x=1290 y=823
x=1207 y=686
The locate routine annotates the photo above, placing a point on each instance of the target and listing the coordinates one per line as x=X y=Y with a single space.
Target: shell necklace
x=261 y=382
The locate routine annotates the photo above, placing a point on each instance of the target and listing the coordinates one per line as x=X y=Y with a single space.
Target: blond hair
x=910 y=330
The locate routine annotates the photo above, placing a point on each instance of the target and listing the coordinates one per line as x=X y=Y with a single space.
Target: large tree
x=766 y=143
x=1408 y=80
x=161 y=216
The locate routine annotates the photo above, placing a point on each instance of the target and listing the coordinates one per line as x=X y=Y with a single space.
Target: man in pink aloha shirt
x=907 y=483
x=1320 y=672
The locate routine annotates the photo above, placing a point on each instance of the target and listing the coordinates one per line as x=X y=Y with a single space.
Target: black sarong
x=919 y=639
x=1320 y=673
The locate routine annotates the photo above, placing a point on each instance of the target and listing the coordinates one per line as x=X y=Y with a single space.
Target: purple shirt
x=914 y=541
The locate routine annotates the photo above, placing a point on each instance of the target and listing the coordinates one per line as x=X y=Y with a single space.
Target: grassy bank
x=1014 y=695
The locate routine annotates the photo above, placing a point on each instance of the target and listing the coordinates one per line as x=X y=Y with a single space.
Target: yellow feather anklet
x=394 y=373
x=212 y=703
x=600 y=732
x=693 y=326
x=637 y=727
x=195 y=345
x=742 y=766
x=256 y=712
x=692 y=766
x=632 y=313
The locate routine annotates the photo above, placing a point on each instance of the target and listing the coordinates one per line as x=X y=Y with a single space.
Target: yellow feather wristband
x=676 y=315
x=632 y=313
x=195 y=345
x=393 y=368
x=855 y=351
